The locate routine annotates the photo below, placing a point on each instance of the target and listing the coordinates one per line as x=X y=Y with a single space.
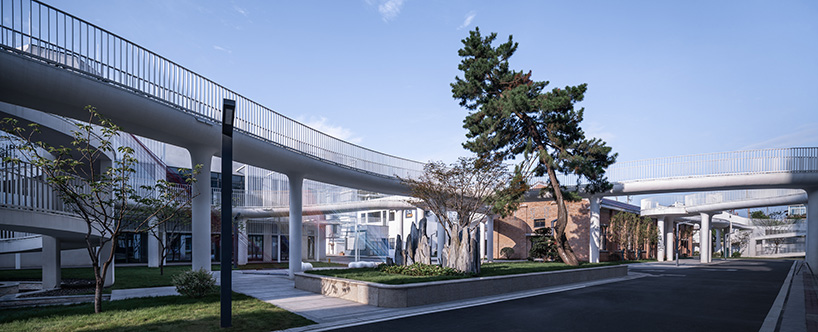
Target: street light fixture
x=228 y=116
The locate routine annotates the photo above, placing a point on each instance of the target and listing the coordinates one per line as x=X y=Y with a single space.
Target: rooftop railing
x=40 y=31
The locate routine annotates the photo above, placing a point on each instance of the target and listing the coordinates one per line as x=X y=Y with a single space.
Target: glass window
x=255 y=245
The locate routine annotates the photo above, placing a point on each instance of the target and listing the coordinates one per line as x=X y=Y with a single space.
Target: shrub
x=195 y=283
x=716 y=255
x=418 y=269
x=543 y=246
x=507 y=252
x=736 y=254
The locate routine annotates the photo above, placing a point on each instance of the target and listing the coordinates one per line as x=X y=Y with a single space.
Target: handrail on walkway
x=40 y=31
x=761 y=161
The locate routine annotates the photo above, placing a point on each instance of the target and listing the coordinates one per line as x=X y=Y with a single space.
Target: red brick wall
x=511 y=231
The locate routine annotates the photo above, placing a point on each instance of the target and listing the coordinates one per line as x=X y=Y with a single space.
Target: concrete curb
x=771 y=321
x=409 y=295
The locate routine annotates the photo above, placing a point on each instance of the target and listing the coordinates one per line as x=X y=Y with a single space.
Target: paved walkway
x=794 y=309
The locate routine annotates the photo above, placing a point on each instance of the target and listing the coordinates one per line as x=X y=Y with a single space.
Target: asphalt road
x=732 y=296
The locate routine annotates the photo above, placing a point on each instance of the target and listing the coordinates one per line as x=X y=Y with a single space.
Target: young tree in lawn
x=177 y=216
x=110 y=199
x=460 y=195
x=510 y=115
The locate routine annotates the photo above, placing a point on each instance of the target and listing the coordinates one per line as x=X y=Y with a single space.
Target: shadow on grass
x=167 y=313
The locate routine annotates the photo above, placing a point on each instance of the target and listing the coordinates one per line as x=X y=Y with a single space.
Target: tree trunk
x=563 y=247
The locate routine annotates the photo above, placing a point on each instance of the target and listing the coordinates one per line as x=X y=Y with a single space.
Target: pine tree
x=510 y=115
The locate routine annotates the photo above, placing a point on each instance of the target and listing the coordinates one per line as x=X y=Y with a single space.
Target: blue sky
x=664 y=78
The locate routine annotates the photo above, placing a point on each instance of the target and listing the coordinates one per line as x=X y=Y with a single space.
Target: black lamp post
x=228 y=115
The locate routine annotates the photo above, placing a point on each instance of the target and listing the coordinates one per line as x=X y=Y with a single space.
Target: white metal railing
x=723 y=163
x=791 y=160
x=37 y=30
x=7 y=234
x=23 y=186
x=713 y=197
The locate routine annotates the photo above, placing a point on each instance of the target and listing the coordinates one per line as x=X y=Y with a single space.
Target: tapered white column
x=296 y=185
x=660 y=246
x=106 y=252
x=490 y=238
x=52 y=272
x=704 y=239
x=154 y=252
x=200 y=208
x=593 y=238
x=321 y=243
x=670 y=240
x=717 y=246
x=441 y=238
x=482 y=245
x=242 y=242
x=812 y=228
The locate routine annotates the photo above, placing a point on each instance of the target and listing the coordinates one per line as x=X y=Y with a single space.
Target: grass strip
x=167 y=313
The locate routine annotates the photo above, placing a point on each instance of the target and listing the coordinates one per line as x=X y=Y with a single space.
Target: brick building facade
x=518 y=230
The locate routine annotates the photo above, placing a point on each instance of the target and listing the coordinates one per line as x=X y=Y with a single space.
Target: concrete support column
x=725 y=245
x=267 y=253
x=105 y=252
x=812 y=228
x=717 y=247
x=670 y=240
x=705 y=245
x=154 y=252
x=200 y=208
x=243 y=242
x=400 y=224
x=593 y=238
x=296 y=187
x=321 y=243
x=490 y=238
x=52 y=273
x=441 y=237
x=483 y=240
x=660 y=245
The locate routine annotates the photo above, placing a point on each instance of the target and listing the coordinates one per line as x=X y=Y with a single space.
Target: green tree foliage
x=507 y=252
x=108 y=198
x=633 y=232
x=511 y=115
x=543 y=246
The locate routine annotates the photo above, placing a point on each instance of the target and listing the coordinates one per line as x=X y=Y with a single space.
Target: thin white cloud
x=240 y=10
x=597 y=130
x=322 y=124
x=469 y=17
x=219 y=48
x=804 y=135
x=389 y=9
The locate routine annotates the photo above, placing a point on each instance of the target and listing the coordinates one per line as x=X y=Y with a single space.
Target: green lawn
x=487 y=269
x=169 y=313
x=126 y=276
x=136 y=276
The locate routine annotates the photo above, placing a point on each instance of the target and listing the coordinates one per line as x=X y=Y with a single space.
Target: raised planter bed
x=409 y=295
